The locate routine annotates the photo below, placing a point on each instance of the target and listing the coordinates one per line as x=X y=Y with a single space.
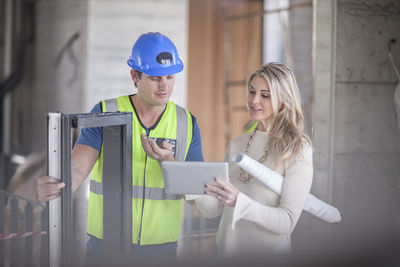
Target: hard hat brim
x=161 y=71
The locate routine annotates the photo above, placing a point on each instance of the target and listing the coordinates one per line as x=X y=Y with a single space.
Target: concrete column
x=324 y=61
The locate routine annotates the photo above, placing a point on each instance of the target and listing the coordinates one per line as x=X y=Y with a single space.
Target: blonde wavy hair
x=286 y=136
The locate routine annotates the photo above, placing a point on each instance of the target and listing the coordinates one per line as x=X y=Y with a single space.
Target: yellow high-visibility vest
x=156 y=217
x=251 y=126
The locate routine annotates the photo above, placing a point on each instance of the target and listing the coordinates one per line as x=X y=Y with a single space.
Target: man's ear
x=135 y=76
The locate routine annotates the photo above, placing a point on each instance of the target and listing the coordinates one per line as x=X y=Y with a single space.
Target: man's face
x=154 y=90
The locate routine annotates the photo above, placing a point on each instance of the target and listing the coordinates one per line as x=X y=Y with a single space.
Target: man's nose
x=162 y=83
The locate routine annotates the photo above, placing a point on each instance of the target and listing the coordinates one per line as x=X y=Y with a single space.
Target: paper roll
x=274 y=181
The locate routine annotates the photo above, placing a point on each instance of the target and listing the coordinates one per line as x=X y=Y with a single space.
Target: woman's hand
x=223 y=191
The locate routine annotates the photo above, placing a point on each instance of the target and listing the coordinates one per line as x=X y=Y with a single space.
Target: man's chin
x=161 y=102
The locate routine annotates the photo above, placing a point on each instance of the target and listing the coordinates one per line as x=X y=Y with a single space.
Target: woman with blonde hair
x=254 y=219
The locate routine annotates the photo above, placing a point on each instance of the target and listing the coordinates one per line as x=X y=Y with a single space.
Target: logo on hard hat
x=164 y=58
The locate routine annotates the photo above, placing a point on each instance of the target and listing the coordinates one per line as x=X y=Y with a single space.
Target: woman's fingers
x=211 y=193
x=224 y=191
x=215 y=189
x=224 y=184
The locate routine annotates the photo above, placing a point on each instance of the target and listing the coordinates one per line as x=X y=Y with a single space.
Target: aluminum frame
x=117 y=182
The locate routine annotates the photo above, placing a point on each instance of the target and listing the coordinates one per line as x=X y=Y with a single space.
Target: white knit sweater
x=261 y=221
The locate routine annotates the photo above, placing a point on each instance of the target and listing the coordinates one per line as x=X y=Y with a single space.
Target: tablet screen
x=189 y=177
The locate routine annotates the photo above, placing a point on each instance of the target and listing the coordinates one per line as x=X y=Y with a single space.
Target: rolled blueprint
x=274 y=181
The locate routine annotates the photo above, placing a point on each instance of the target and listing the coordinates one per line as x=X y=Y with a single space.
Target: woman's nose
x=256 y=99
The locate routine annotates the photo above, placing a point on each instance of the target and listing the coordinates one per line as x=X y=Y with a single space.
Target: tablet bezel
x=189 y=177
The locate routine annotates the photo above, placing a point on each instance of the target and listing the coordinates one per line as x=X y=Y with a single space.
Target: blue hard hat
x=155 y=54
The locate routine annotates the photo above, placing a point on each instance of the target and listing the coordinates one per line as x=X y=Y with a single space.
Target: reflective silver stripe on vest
x=96 y=187
x=152 y=193
x=137 y=192
x=111 y=105
x=181 y=133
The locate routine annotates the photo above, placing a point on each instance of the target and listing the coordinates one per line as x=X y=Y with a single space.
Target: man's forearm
x=83 y=159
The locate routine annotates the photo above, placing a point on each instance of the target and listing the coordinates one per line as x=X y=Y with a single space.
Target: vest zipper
x=144 y=188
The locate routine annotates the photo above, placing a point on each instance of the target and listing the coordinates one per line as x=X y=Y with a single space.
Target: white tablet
x=189 y=177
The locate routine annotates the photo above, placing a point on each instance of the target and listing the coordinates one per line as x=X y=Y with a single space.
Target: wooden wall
x=225 y=46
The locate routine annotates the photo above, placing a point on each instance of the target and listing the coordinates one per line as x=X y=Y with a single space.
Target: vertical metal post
x=7 y=61
x=54 y=170
x=2 y=242
x=188 y=227
x=14 y=229
x=28 y=240
x=127 y=185
x=112 y=192
x=117 y=190
x=66 y=193
x=44 y=239
x=202 y=237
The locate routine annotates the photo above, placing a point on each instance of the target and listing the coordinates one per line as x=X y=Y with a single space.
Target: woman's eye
x=265 y=96
x=252 y=92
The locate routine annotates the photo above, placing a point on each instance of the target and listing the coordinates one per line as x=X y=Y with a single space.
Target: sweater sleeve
x=209 y=206
x=296 y=187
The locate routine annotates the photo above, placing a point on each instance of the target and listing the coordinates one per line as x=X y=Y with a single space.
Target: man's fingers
x=48 y=188
x=166 y=145
x=51 y=190
x=44 y=197
x=46 y=180
x=49 y=197
x=146 y=145
x=156 y=149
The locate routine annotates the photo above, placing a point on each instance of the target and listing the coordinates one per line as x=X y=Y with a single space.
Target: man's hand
x=160 y=153
x=83 y=159
x=48 y=188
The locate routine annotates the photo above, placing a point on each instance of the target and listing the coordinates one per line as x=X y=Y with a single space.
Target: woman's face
x=259 y=101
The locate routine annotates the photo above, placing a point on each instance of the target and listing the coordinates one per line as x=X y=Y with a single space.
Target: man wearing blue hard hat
x=161 y=130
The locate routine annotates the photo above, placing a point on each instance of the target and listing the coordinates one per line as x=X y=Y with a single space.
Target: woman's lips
x=256 y=109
